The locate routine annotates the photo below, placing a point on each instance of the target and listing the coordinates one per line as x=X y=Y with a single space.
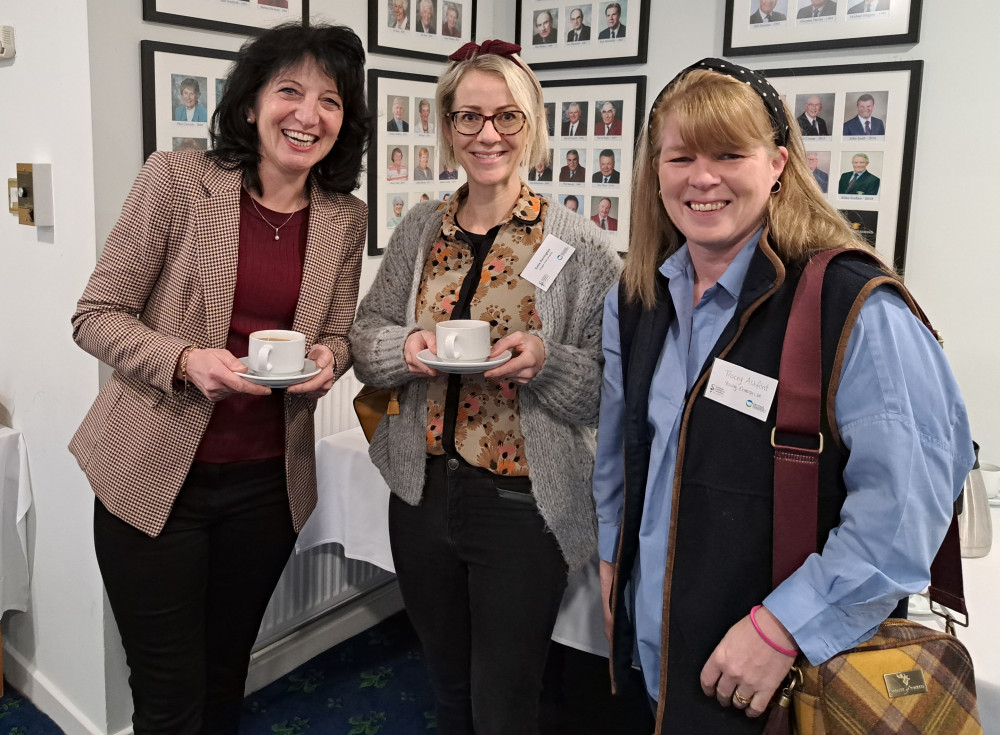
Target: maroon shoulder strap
x=798 y=443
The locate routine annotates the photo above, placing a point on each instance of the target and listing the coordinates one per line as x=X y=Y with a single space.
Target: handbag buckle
x=950 y=621
x=794 y=681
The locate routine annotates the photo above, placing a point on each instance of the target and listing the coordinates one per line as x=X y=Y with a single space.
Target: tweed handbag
x=908 y=678
x=371 y=404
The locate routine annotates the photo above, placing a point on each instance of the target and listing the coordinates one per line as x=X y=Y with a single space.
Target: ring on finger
x=740 y=700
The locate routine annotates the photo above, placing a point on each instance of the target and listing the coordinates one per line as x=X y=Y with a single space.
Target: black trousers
x=189 y=602
x=482 y=580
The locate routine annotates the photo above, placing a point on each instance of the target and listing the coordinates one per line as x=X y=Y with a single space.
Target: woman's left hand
x=529 y=356
x=744 y=663
x=318 y=385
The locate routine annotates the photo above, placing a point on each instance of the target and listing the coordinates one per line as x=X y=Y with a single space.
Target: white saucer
x=995 y=502
x=309 y=369
x=462 y=366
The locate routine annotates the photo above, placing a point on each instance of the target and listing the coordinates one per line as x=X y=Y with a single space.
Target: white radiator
x=335 y=411
x=320 y=580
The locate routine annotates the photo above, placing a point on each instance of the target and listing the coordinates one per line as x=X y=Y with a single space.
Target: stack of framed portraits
x=246 y=17
x=180 y=87
x=592 y=126
x=775 y=26
x=404 y=163
x=555 y=35
x=859 y=125
x=420 y=29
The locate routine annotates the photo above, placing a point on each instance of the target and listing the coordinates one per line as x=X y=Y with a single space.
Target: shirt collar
x=679 y=264
x=526 y=210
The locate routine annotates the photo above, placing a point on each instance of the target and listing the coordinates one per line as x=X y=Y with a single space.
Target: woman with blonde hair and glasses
x=725 y=215
x=490 y=471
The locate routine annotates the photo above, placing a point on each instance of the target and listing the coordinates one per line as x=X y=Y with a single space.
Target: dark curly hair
x=338 y=52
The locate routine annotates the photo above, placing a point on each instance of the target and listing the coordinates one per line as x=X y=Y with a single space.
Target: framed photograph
x=246 y=17
x=593 y=126
x=591 y=33
x=180 y=88
x=404 y=164
x=778 y=26
x=420 y=29
x=859 y=126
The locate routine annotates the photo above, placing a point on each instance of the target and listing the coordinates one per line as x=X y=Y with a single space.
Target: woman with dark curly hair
x=204 y=478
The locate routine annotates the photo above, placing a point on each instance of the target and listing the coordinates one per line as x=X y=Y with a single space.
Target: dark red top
x=268 y=278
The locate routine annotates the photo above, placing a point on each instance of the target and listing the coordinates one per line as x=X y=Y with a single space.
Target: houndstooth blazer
x=165 y=280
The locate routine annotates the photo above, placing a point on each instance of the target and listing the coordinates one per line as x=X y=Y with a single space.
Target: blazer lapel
x=324 y=243
x=217 y=240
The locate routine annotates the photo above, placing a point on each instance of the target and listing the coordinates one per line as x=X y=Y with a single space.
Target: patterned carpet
x=376 y=684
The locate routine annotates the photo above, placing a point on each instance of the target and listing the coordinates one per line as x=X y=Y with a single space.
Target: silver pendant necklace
x=254 y=203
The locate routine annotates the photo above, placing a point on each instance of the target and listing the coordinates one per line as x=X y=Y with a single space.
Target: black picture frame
x=161 y=64
x=627 y=95
x=414 y=45
x=384 y=87
x=898 y=24
x=561 y=54
x=223 y=17
x=882 y=217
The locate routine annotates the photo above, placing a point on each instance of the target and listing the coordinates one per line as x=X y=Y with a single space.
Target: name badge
x=547 y=262
x=741 y=389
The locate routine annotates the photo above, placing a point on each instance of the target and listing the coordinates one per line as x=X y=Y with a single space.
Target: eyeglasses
x=508 y=122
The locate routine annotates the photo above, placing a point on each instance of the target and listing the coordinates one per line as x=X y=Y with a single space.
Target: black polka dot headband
x=760 y=85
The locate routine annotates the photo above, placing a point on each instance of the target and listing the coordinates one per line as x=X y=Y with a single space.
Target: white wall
x=77 y=72
x=55 y=651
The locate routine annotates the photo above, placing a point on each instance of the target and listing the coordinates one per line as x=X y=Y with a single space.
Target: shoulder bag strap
x=798 y=444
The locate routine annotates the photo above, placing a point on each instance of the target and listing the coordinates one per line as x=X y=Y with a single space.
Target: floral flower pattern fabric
x=487 y=426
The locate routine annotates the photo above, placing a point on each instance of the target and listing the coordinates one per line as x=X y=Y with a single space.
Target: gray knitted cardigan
x=559 y=407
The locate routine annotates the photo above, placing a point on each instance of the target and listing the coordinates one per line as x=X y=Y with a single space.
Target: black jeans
x=189 y=602
x=482 y=579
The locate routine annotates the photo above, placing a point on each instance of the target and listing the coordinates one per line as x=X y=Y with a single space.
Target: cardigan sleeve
x=385 y=317
x=333 y=332
x=106 y=323
x=569 y=383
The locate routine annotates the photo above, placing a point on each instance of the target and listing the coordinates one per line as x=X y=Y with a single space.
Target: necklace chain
x=266 y=221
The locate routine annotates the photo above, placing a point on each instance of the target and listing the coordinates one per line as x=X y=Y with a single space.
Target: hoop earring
x=776 y=188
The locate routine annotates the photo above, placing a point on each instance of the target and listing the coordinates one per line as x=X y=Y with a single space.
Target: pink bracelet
x=767 y=640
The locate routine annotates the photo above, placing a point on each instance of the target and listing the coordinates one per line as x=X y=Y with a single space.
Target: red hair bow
x=489 y=46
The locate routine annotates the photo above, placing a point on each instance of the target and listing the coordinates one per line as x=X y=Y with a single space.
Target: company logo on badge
x=749 y=403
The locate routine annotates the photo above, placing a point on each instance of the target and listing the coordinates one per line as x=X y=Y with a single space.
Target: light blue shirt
x=899 y=413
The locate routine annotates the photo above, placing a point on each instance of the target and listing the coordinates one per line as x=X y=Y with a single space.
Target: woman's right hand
x=607 y=580
x=417 y=341
x=213 y=372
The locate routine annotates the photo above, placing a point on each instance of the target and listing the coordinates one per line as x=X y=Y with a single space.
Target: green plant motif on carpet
x=378 y=678
x=367 y=725
x=295 y=727
x=306 y=683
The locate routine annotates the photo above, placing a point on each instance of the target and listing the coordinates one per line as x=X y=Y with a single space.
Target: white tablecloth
x=353 y=511
x=15 y=500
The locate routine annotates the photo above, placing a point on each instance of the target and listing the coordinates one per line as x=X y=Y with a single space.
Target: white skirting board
x=38 y=689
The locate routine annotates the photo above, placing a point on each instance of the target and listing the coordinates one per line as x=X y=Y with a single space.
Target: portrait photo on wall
x=589 y=165
x=246 y=18
x=181 y=86
x=864 y=115
x=404 y=164
x=780 y=26
x=812 y=112
x=561 y=35
x=420 y=29
x=864 y=172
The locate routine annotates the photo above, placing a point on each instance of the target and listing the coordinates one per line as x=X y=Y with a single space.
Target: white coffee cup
x=463 y=340
x=991 y=479
x=277 y=352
